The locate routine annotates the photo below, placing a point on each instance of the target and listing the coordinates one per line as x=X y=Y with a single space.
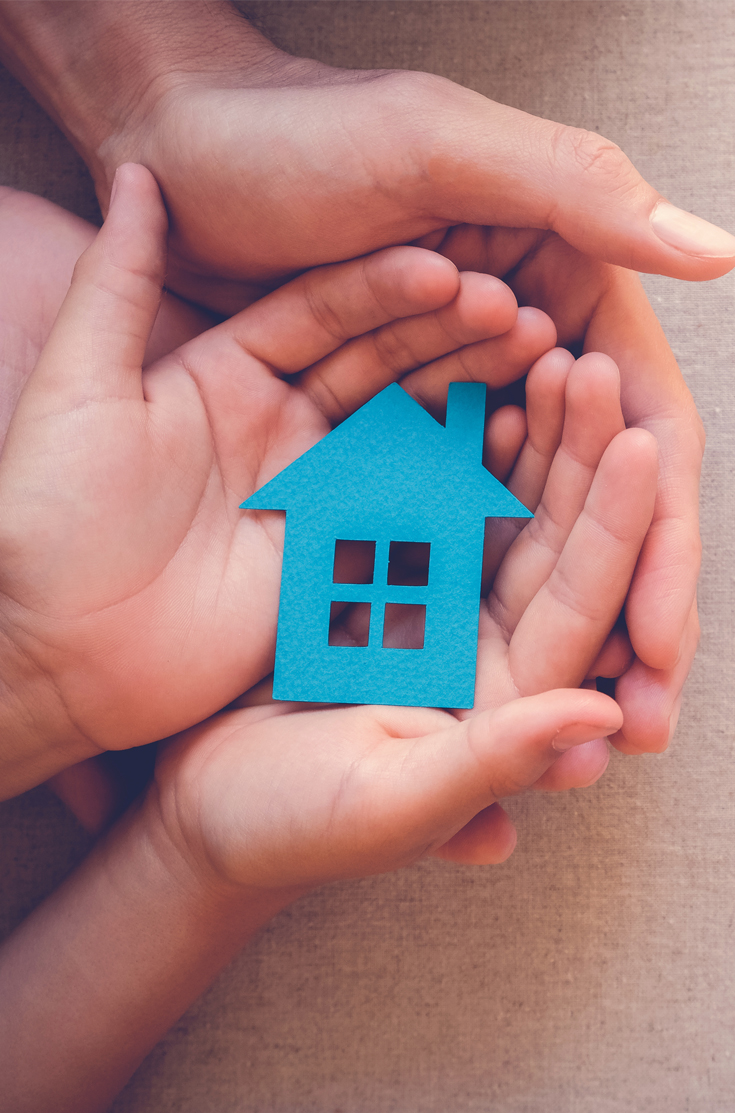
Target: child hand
x=277 y=795
x=559 y=581
x=271 y=797
x=136 y=597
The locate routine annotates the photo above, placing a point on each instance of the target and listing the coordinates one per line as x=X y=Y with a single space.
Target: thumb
x=488 y=163
x=471 y=765
x=96 y=347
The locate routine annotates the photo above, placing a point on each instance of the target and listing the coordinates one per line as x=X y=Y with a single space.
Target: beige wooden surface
x=595 y=971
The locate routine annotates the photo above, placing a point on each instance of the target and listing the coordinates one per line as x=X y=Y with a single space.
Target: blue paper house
x=389 y=474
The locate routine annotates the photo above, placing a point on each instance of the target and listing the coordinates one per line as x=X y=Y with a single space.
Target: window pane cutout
x=398 y=574
x=353 y=628
x=404 y=626
x=354 y=562
x=408 y=563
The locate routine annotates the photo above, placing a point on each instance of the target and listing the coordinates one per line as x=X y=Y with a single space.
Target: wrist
x=37 y=736
x=185 y=862
x=99 y=69
x=105 y=965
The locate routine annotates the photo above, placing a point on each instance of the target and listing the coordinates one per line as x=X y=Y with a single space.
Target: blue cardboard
x=389 y=473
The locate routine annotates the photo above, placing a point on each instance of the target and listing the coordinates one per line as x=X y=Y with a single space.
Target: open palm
x=137 y=595
x=283 y=794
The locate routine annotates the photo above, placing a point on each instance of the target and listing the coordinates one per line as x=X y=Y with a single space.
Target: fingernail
x=690 y=234
x=674 y=719
x=113 y=190
x=574 y=734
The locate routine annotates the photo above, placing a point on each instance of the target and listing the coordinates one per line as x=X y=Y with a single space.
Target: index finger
x=317 y=312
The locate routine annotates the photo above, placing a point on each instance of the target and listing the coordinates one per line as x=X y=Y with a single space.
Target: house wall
x=593 y=973
x=441 y=674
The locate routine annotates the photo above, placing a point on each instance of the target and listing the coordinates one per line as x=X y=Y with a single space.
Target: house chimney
x=465 y=421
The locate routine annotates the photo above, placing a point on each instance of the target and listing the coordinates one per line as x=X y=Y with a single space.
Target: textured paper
x=389 y=473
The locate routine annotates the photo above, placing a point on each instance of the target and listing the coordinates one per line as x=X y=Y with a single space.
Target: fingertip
x=89 y=792
x=634 y=743
x=134 y=184
x=488 y=839
x=614 y=658
x=133 y=236
x=486 y=305
x=114 y=297
x=521 y=739
x=636 y=456
x=603 y=206
x=421 y=280
x=579 y=767
x=537 y=325
x=646 y=731
x=705 y=246
x=552 y=367
x=506 y=838
x=650 y=701
x=633 y=454
x=593 y=371
x=642 y=440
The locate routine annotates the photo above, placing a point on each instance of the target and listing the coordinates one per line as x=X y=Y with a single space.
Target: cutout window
x=353 y=628
x=404 y=625
x=354 y=562
x=400 y=565
x=408 y=563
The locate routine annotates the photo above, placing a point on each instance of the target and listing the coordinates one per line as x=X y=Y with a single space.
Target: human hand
x=39 y=246
x=604 y=309
x=548 y=453
x=257 y=806
x=571 y=431
x=137 y=598
x=271 y=805
x=273 y=797
x=278 y=791
x=231 y=133
x=270 y=164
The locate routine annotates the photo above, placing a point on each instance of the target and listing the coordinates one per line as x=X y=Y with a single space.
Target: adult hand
x=270 y=164
x=136 y=597
x=603 y=308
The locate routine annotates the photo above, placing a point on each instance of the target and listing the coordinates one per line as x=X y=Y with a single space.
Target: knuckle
x=594 y=156
x=415 y=87
x=544 y=532
x=393 y=351
x=323 y=396
x=323 y=314
x=574 y=600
